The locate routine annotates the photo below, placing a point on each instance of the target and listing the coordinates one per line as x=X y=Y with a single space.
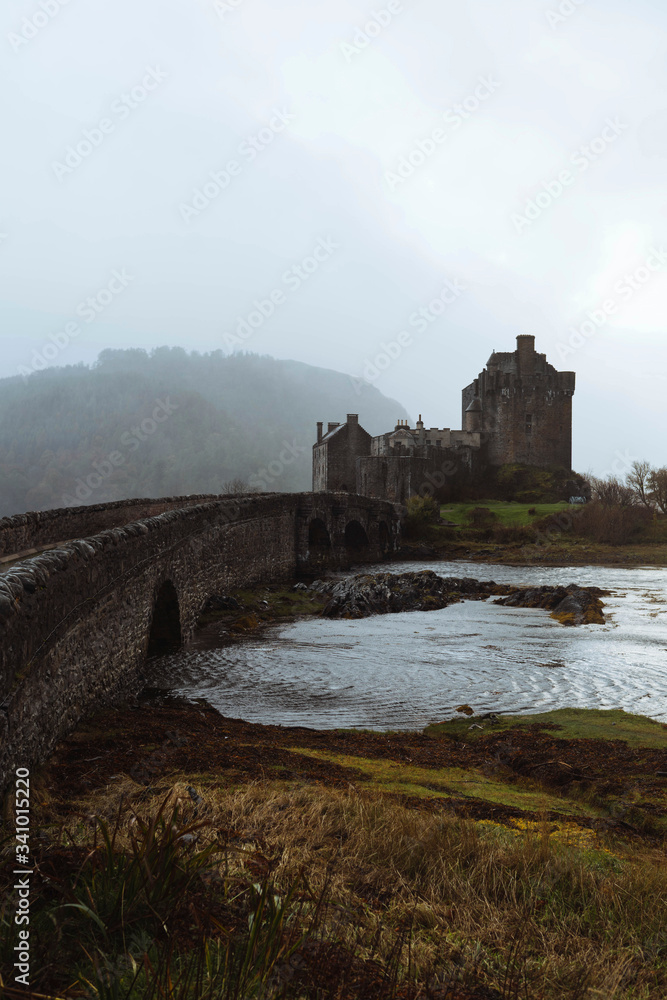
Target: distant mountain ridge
x=169 y=422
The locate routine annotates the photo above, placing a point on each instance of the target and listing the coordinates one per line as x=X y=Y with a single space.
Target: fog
x=309 y=180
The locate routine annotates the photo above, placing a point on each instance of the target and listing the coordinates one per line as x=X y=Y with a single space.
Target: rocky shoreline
x=390 y=593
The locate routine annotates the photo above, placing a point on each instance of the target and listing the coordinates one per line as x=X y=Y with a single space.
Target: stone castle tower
x=518 y=410
x=523 y=408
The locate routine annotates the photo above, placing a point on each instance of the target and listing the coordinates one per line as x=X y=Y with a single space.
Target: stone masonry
x=77 y=620
x=518 y=410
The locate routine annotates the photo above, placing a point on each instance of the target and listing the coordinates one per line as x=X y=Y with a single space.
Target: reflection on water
x=403 y=671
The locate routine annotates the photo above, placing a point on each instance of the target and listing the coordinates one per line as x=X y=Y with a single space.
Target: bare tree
x=657 y=484
x=233 y=486
x=638 y=480
x=611 y=492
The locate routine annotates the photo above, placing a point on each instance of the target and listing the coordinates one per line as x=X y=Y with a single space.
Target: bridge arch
x=357 y=543
x=165 y=631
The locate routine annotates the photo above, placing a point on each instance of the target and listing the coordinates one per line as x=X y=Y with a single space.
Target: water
x=404 y=671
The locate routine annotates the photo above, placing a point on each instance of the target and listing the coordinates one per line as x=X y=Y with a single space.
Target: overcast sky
x=499 y=166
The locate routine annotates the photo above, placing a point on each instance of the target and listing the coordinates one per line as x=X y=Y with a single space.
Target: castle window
x=529 y=423
x=438 y=444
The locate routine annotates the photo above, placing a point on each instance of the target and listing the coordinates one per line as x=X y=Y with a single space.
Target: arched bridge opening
x=357 y=544
x=165 y=633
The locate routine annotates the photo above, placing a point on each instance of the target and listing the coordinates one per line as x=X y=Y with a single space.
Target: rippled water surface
x=403 y=671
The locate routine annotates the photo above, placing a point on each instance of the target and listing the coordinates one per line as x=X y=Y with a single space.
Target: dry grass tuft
x=536 y=910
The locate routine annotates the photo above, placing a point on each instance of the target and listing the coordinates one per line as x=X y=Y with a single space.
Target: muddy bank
x=389 y=593
x=565 y=553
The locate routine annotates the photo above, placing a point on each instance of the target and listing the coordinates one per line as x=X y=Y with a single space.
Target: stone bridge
x=86 y=593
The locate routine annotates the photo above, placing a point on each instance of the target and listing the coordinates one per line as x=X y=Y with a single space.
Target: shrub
x=481 y=517
x=505 y=534
x=612 y=524
x=423 y=513
x=529 y=484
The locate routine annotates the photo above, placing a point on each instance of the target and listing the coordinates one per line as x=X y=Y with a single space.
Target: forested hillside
x=141 y=424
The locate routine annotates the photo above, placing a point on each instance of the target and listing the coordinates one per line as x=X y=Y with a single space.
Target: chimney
x=332 y=425
x=353 y=418
x=320 y=424
x=525 y=346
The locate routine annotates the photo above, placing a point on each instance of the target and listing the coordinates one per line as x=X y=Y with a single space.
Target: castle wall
x=518 y=410
x=526 y=408
x=335 y=457
x=320 y=464
x=398 y=477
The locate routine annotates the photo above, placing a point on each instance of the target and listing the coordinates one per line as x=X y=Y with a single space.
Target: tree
x=657 y=484
x=235 y=486
x=611 y=492
x=638 y=481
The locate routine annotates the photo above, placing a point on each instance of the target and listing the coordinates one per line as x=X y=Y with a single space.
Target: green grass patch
x=568 y=724
x=509 y=513
x=426 y=782
x=265 y=604
x=282 y=601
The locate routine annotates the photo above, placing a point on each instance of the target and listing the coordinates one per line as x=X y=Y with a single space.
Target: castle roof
x=335 y=430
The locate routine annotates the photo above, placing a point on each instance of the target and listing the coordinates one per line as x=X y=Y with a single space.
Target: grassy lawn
x=507 y=512
x=570 y=724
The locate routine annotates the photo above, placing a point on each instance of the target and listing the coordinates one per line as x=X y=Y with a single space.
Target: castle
x=518 y=410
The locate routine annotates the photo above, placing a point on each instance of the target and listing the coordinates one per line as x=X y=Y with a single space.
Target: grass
x=307 y=892
x=521 y=546
x=425 y=782
x=510 y=513
x=263 y=605
x=264 y=863
x=571 y=723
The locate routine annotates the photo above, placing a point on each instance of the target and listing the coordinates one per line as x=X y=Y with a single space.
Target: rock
x=572 y=605
x=465 y=709
x=219 y=602
x=388 y=593
x=194 y=795
x=299 y=586
x=579 y=608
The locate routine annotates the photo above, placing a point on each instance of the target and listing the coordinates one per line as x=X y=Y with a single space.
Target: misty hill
x=163 y=423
